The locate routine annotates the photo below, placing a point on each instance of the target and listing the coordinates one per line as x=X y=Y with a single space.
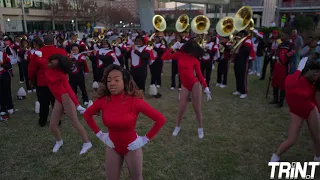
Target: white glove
x=104 y=137
x=38 y=53
x=207 y=91
x=302 y=63
x=138 y=143
x=81 y=109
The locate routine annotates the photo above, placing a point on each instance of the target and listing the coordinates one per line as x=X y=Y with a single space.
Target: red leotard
x=186 y=66
x=58 y=84
x=300 y=95
x=120 y=115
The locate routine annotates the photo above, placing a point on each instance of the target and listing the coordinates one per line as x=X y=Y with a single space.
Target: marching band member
x=259 y=47
x=271 y=48
x=11 y=53
x=66 y=100
x=5 y=85
x=127 y=55
x=242 y=57
x=104 y=57
x=188 y=63
x=67 y=44
x=22 y=53
x=120 y=49
x=36 y=71
x=121 y=102
x=78 y=73
x=141 y=56
x=223 y=62
x=301 y=96
x=174 y=63
x=281 y=69
x=156 y=67
x=206 y=62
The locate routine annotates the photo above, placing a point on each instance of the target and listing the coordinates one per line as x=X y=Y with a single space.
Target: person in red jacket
x=66 y=100
x=120 y=102
x=301 y=96
x=188 y=62
x=36 y=70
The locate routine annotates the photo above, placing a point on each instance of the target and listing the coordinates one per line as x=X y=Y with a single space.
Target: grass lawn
x=240 y=137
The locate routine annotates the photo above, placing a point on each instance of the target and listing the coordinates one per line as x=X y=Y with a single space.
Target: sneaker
x=176 y=131
x=86 y=103
x=21 y=82
x=275 y=158
x=218 y=84
x=2 y=113
x=251 y=73
x=200 y=133
x=172 y=88
x=34 y=90
x=29 y=91
x=158 y=86
x=237 y=93
x=10 y=111
x=179 y=89
x=85 y=147
x=258 y=74
x=243 y=96
x=57 y=146
x=222 y=86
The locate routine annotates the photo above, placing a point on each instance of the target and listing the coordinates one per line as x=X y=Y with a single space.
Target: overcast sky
x=172 y=4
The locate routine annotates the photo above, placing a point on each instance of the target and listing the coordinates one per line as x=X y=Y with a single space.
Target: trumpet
x=95 y=39
x=114 y=43
x=101 y=36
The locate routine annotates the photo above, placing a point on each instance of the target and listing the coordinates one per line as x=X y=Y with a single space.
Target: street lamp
x=120 y=22
x=131 y=23
x=124 y=25
x=72 y=21
x=8 y=20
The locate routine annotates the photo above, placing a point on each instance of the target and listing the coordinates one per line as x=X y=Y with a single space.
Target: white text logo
x=294 y=170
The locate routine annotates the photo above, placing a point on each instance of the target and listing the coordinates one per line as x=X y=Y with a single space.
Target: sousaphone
x=200 y=24
x=182 y=23
x=243 y=18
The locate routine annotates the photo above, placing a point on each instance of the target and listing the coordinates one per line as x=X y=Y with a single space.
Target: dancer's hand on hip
x=104 y=137
x=138 y=143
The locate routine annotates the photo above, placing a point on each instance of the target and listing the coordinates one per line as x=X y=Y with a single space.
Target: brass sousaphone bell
x=159 y=23
x=243 y=18
x=200 y=24
x=182 y=23
x=225 y=26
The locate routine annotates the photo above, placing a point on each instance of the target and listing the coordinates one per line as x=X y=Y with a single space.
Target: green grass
x=240 y=136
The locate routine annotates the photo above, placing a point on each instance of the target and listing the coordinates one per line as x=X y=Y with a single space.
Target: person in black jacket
x=259 y=53
x=223 y=62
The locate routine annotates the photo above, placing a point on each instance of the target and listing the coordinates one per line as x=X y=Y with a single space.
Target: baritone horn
x=159 y=23
x=200 y=24
x=243 y=18
x=225 y=26
x=182 y=23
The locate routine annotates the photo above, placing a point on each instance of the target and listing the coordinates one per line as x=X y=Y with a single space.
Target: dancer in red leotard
x=301 y=88
x=66 y=100
x=188 y=62
x=120 y=102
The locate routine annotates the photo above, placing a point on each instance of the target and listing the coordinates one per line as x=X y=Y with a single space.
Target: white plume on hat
x=21 y=92
x=37 y=107
x=95 y=85
x=153 y=90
